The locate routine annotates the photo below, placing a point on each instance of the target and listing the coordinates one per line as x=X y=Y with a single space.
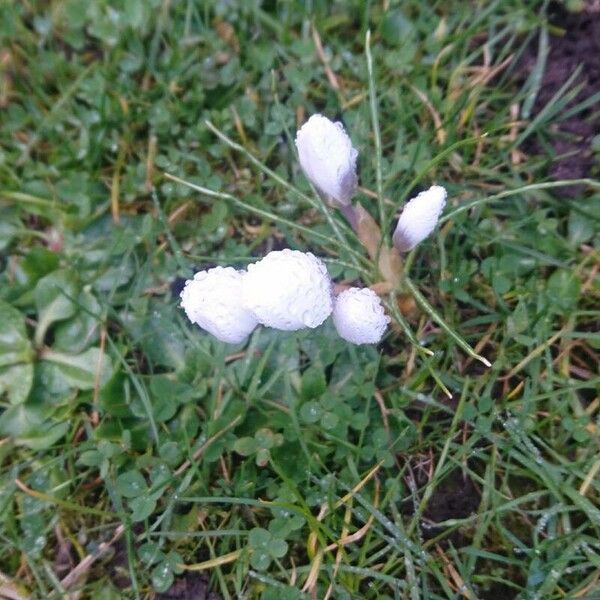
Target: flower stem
x=349 y=213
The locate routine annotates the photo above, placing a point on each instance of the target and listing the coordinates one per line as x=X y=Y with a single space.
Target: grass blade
x=422 y=302
x=376 y=133
x=260 y=212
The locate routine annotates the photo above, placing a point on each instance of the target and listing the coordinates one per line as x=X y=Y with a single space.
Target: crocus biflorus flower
x=358 y=316
x=288 y=290
x=419 y=218
x=212 y=300
x=328 y=159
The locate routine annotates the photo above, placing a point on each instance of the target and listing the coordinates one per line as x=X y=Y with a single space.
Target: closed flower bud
x=358 y=316
x=212 y=300
x=288 y=290
x=328 y=158
x=419 y=218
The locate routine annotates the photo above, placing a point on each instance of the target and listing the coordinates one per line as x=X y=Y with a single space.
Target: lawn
x=144 y=140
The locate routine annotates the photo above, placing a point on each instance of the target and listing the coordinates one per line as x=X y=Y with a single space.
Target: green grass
x=122 y=424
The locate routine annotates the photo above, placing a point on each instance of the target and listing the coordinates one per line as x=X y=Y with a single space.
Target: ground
x=141 y=458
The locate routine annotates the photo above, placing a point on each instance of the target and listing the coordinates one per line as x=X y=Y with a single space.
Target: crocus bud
x=288 y=290
x=328 y=158
x=419 y=218
x=212 y=300
x=358 y=316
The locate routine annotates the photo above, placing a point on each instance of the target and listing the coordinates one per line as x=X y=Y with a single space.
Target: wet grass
x=136 y=452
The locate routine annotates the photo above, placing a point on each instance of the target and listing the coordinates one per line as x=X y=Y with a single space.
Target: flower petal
x=358 y=316
x=212 y=300
x=419 y=218
x=328 y=158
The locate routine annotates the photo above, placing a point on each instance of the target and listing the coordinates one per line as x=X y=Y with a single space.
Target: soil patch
x=190 y=586
x=456 y=497
x=577 y=47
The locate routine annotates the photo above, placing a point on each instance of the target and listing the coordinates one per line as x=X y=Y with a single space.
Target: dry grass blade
x=213 y=562
x=440 y=132
x=85 y=565
x=313 y=574
x=459 y=584
x=331 y=77
x=198 y=453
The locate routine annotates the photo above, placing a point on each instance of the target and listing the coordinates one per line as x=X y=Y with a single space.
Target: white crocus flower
x=419 y=218
x=212 y=300
x=288 y=290
x=358 y=316
x=328 y=159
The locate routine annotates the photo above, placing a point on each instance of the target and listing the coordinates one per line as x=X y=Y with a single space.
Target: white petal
x=212 y=300
x=419 y=218
x=288 y=290
x=358 y=316
x=328 y=158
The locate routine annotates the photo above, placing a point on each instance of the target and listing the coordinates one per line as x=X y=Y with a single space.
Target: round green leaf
x=170 y=453
x=142 y=507
x=330 y=420
x=260 y=560
x=313 y=383
x=150 y=553
x=245 y=446
x=174 y=560
x=162 y=577
x=580 y=227
x=311 y=412
x=264 y=438
x=262 y=457
x=91 y=458
x=563 y=290
x=259 y=538
x=280 y=527
x=278 y=548
x=131 y=484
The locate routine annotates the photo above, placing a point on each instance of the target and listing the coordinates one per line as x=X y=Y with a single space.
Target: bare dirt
x=574 y=43
x=190 y=586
